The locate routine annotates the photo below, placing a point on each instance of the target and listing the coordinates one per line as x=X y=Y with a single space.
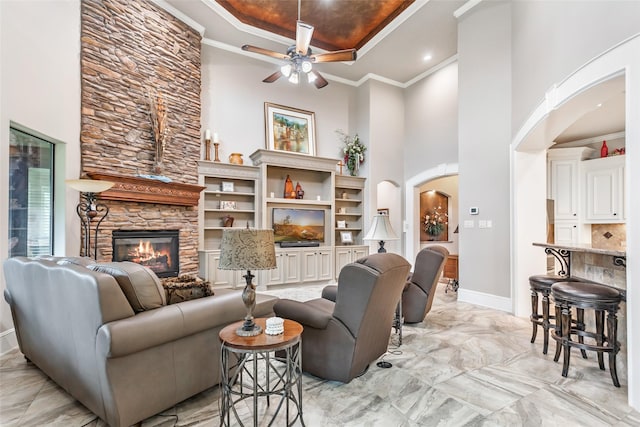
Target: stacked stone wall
x=129 y=50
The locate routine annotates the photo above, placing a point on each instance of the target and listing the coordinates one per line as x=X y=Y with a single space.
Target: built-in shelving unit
x=229 y=191
x=255 y=191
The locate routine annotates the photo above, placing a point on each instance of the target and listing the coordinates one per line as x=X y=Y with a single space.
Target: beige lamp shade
x=381 y=229
x=89 y=185
x=247 y=249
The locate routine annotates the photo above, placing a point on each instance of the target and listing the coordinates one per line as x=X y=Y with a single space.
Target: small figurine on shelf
x=289 y=192
x=604 y=150
x=299 y=191
x=227 y=221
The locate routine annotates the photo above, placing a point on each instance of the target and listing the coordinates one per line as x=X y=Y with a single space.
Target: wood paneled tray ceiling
x=339 y=24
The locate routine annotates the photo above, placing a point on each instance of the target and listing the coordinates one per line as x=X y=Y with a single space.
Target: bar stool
x=541 y=284
x=587 y=295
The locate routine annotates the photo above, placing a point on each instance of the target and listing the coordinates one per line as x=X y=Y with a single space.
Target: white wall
x=233 y=97
x=431 y=121
x=484 y=78
x=386 y=153
x=40 y=88
x=555 y=38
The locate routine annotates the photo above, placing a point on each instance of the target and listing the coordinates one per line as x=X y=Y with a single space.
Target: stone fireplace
x=129 y=51
x=157 y=249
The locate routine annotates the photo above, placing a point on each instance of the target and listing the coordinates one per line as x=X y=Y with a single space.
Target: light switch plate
x=468 y=223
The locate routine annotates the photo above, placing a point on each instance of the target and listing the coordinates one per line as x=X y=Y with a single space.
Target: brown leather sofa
x=108 y=338
x=341 y=338
x=420 y=288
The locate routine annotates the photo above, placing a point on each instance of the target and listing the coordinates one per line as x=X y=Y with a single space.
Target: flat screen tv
x=298 y=225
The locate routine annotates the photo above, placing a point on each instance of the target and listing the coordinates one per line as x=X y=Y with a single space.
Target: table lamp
x=247 y=249
x=88 y=209
x=381 y=230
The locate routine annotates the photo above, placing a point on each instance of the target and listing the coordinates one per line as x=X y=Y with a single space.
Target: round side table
x=245 y=379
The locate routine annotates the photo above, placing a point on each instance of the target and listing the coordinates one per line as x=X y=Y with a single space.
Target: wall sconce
x=89 y=210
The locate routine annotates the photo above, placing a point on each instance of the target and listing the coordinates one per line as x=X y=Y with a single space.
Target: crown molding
x=179 y=15
x=590 y=140
x=466 y=8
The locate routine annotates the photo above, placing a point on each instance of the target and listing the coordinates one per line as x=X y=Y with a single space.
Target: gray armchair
x=420 y=288
x=341 y=338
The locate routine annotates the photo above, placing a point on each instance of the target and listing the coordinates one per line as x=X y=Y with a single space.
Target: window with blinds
x=30 y=195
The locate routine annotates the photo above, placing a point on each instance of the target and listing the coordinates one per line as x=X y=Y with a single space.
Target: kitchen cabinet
x=565 y=188
x=604 y=190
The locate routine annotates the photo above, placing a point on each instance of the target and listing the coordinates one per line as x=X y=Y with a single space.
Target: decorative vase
x=236 y=158
x=604 y=150
x=289 y=192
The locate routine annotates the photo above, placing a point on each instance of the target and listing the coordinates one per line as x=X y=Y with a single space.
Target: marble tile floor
x=464 y=366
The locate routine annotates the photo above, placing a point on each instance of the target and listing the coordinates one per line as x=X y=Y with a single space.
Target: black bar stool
x=587 y=295
x=541 y=284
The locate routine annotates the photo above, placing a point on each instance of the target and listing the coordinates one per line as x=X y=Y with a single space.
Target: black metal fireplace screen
x=156 y=249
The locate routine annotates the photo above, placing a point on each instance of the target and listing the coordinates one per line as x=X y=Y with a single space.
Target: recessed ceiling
x=392 y=36
x=339 y=24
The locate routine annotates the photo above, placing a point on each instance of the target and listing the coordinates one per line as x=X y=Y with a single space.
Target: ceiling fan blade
x=304 y=32
x=273 y=77
x=320 y=81
x=266 y=52
x=336 y=56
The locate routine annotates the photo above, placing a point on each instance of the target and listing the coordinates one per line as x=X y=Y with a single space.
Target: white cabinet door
x=276 y=276
x=566 y=233
x=605 y=190
x=564 y=188
x=218 y=278
x=348 y=254
x=291 y=263
x=309 y=265
x=360 y=252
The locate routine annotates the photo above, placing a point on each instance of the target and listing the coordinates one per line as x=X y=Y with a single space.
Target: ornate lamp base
x=249 y=328
x=250 y=331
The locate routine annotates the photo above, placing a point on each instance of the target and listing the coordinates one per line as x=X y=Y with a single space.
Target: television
x=298 y=225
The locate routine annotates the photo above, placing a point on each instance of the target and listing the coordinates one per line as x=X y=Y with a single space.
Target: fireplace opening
x=156 y=249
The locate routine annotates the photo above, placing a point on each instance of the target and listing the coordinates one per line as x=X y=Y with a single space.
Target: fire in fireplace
x=156 y=249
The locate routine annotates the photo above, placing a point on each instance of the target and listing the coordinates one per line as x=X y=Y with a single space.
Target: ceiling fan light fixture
x=306 y=66
x=286 y=70
x=294 y=78
x=311 y=77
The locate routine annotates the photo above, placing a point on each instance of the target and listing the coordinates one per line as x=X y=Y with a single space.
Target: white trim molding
x=8 y=340
x=484 y=300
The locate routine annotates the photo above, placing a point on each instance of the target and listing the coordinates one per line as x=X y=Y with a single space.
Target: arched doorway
x=412 y=204
x=528 y=153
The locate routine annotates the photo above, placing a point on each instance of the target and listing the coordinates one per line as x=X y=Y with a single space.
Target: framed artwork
x=341 y=224
x=346 y=237
x=227 y=204
x=227 y=186
x=290 y=129
x=434 y=216
x=383 y=211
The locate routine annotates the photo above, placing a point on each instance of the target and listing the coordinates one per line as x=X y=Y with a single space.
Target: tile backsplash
x=609 y=236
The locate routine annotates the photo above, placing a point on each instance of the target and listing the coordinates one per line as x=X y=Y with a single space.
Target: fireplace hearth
x=156 y=249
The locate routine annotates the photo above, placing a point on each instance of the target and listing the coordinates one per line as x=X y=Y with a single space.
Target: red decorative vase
x=604 y=151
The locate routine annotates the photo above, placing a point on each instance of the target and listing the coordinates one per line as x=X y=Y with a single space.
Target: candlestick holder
x=215 y=146
x=207 y=149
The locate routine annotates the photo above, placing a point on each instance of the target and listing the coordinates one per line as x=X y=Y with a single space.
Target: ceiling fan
x=299 y=58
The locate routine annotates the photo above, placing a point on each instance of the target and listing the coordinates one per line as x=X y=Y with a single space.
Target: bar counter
x=602 y=265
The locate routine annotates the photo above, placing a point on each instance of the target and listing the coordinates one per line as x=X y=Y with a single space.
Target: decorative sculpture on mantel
x=158 y=113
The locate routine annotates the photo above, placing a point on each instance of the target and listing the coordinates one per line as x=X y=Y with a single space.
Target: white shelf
x=307 y=202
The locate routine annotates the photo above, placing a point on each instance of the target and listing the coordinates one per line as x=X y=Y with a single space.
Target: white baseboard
x=485 y=300
x=8 y=340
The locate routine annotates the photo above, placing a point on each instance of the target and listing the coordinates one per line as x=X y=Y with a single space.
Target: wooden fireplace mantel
x=144 y=190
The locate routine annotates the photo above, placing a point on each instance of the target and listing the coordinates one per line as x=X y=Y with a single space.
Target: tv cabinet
x=257 y=190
